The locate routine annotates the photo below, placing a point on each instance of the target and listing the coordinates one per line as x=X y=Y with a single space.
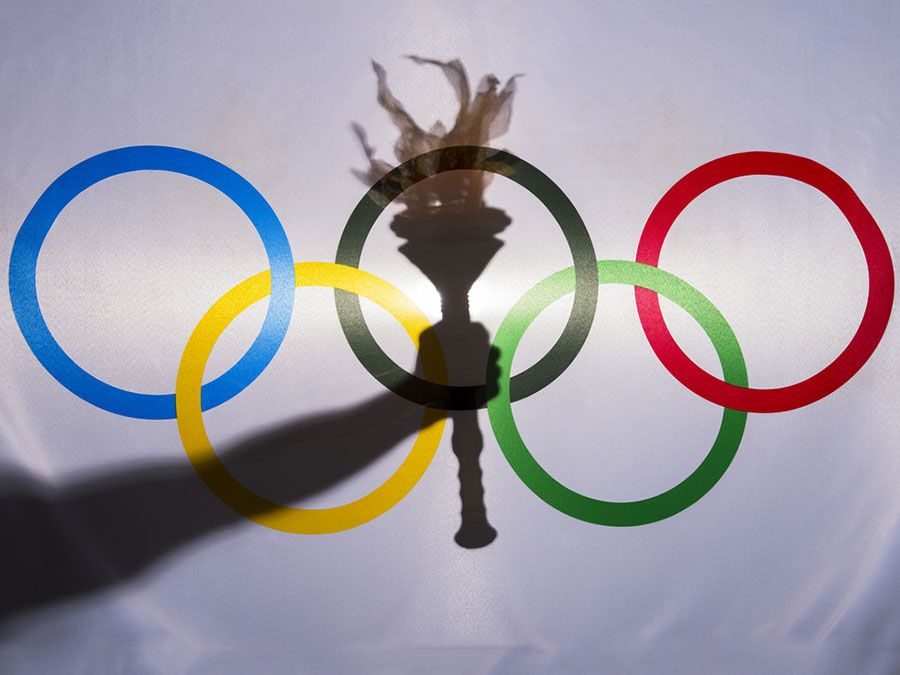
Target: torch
x=451 y=237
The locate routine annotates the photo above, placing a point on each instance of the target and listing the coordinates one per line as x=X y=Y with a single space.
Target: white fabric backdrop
x=790 y=564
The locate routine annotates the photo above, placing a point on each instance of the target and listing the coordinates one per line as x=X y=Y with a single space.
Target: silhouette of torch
x=450 y=236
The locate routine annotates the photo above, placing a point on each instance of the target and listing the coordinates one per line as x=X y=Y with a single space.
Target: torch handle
x=467 y=441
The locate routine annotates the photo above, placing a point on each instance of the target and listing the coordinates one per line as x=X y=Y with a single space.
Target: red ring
x=878 y=260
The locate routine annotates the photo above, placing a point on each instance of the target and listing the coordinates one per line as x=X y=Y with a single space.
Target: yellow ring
x=200 y=451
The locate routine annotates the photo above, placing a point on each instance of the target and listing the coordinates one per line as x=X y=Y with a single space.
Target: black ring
x=426 y=165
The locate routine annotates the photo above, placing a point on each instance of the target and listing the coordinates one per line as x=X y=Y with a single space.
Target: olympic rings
x=191 y=399
x=557 y=495
x=518 y=170
x=878 y=261
x=230 y=490
x=27 y=246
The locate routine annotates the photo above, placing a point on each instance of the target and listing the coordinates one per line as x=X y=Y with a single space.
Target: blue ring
x=27 y=246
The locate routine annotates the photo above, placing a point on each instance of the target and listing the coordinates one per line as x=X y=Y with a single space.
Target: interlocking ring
x=572 y=503
x=394 y=183
x=231 y=491
x=878 y=261
x=27 y=246
x=191 y=399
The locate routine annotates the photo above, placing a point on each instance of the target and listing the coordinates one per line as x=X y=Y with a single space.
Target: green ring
x=557 y=495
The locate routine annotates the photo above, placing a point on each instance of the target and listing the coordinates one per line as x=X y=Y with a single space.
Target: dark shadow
x=82 y=537
x=452 y=244
x=63 y=541
x=450 y=235
x=68 y=540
